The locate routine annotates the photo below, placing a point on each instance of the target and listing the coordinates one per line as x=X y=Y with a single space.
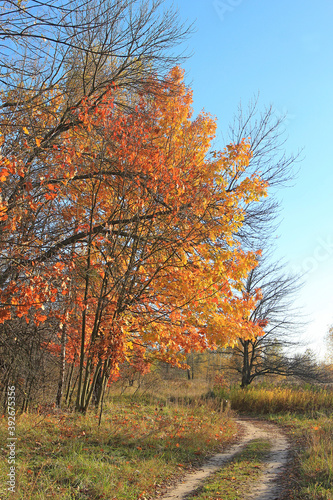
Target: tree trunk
x=246 y=369
x=62 y=366
x=69 y=380
x=97 y=390
x=80 y=390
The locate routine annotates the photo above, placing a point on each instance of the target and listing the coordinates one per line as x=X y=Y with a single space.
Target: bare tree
x=266 y=134
x=83 y=45
x=271 y=353
x=25 y=362
x=265 y=354
x=329 y=345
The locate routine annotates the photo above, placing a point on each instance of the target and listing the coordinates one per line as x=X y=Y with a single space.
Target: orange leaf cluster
x=124 y=222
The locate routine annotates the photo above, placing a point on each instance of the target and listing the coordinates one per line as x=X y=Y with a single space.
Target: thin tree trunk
x=72 y=391
x=62 y=365
x=69 y=381
x=246 y=365
x=102 y=401
x=79 y=401
x=87 y=396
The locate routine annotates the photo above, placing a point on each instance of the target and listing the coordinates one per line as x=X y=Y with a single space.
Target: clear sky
x=283 y=50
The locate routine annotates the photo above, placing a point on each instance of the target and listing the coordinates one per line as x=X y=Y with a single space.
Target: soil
x=267 y=487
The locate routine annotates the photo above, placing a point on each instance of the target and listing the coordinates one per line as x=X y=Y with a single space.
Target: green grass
x=235 y=479
x=138 y=447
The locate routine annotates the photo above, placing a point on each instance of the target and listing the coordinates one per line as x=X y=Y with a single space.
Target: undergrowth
x=261 y=400
x=138 y=447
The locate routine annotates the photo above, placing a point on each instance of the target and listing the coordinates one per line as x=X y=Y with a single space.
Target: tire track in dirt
x=266 y=487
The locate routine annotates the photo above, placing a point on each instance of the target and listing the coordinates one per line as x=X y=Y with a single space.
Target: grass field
x=306 y=413
x=262 y=400
x=138 y=446
x=144 y=442
x=312 y=470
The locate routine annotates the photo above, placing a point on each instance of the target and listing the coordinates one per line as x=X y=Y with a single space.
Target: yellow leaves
x=164 y=224
x=4 y=173
x=37 y=140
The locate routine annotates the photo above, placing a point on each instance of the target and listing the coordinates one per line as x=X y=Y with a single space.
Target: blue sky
x=283 y=50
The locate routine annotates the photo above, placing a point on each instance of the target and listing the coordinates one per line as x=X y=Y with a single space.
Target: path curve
x=266 y=487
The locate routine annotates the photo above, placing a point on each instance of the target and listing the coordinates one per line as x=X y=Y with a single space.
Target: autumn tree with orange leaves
x=53 y=56
x=125 y=232
x=119 y=225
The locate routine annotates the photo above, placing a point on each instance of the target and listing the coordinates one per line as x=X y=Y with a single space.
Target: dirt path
x=266 y=488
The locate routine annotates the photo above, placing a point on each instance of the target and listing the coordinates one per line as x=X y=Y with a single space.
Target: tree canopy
x=120 y=225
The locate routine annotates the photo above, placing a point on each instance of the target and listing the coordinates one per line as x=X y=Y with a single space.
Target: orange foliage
x=127 y=219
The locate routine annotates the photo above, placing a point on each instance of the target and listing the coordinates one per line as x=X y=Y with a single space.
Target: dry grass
x=306 y=413
x=313 y=458
x=139 y=446
x=260 y=400
x=148 y=439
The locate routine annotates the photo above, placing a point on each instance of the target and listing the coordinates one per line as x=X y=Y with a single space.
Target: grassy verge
x=234 y=481
x=138 y=447
x=306 y=414
x=262 y=400
x=311 y=473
